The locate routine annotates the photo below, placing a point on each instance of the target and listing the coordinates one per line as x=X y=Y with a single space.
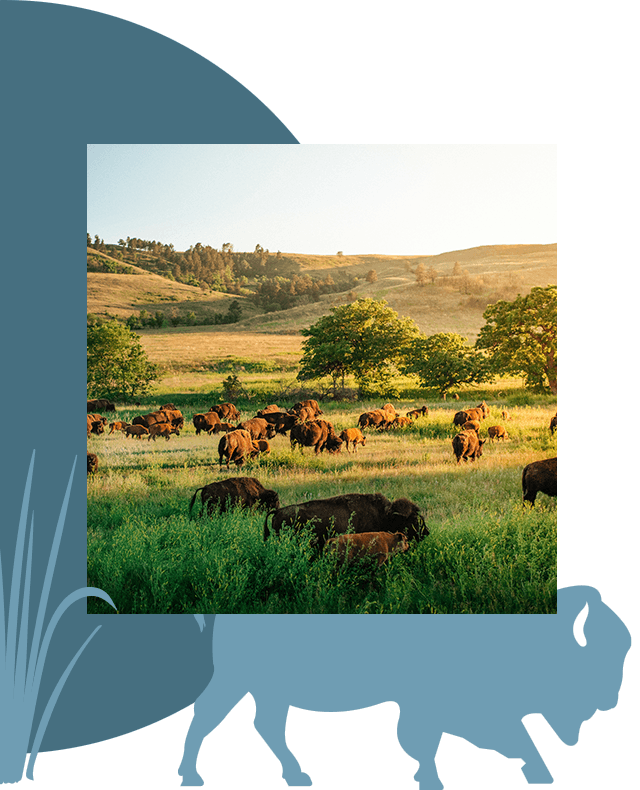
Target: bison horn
x=578 y=626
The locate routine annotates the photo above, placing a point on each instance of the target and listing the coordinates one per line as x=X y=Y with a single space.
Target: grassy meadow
x=485 y=552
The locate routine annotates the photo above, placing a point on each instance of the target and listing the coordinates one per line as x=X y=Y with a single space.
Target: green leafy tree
x=365 y=338
x=445 y=361
x=117 y=365
x=522 y=337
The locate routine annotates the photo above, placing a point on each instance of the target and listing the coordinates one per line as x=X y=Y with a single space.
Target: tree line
x=368 y=340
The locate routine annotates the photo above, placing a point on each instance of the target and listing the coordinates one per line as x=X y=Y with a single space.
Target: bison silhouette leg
x=210 y=709
x=421 y=744
x=534 y=768
x=270 y=722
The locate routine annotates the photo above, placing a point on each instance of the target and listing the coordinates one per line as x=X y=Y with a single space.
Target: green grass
x=485 y=553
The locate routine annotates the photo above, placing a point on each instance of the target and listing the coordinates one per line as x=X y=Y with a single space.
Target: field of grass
x=485 y=551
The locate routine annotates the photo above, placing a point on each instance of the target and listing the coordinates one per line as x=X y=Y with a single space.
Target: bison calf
x=380 y=545
x=136 y=430
x=540 y=477
x=354 y=437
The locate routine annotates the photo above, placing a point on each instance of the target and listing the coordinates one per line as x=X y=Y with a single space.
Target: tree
x=117 y=365
x=372 y=276
x=365 y=338
x=444 y=361
x=422 y=278
x=522 y=337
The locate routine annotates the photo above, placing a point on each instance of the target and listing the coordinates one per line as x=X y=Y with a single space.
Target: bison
x=119 y=425
x=262 y=445
x=245 y=492
x=354 y=437
x=484 y=408
x=399 y=422
x=467 y=445
x=100 y=404
x=163 y=415
x=376 y=418
x=269 y=410
x=209 y=422
x=226 y=411
x=415 y=413
x=497 y=432
x=460 y=417
x=318 y=434
x=92 y=463
x=350 y=513
x=471 y=425
x=236 y=446
x=162 y=429
x=553 y=425
x=282 y=421
x=258 y=428
x=136 y=430
x=308 y=404
x=540 y=477
x=380 y=545
x=93 y=425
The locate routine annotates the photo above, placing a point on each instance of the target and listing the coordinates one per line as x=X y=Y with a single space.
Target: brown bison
x=415 y=413
x=476 y=414
x=497 y=432
x=168 y=407
x=100 y=404
x=258 y=428
x=376 y=418
x=163 y=415
x=460 y=417
x=505 y=415
x=94 y=425
x=268 y=410
x=235 y=491
x=399 y=422
x=236 y=446
x=484 y=408
x=209 y=423
x=303 y=414
x=92 y=463
x=553 y=425
x=136 y=430
x=119 y=425
x=471 y=425
x=162 y=429
x=264 y=448
x=540 y=477
x=308 y=404
x=226 y=427
x=318 y=434
x=226 y=411
x=282 y=421
x=467 y=445
x=380 y=545
x=354 y=437
x=350 y=513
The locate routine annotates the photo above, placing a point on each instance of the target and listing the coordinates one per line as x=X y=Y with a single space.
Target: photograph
x=322 y=379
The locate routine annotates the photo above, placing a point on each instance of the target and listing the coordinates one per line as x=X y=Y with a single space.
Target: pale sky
x=386 y=199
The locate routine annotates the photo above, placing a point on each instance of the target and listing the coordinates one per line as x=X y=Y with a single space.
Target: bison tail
x=266 y=532
x=193 y=500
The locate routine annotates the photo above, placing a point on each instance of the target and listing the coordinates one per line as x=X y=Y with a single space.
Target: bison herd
x=349 y=525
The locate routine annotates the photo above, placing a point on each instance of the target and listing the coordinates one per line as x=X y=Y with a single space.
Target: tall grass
x=22 y=657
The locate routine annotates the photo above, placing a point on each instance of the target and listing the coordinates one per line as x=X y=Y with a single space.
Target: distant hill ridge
x=455 y=286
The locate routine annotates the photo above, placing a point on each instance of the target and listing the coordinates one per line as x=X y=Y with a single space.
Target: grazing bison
x=258 y=428
x=168 y=407
x=354 y=437
x=460 y=417
x=236 y=446
x=350 y=513
x=553 y=425
x=119 y=425
x=540 y=477
x=497 y=432
x=471 y=425
x=136 y=430
x=226 y=427
x=467 y=445
x=100 y=404
x=209 y=422
x=476 y=414
x=264 y=448
x=318 y=434
x=235 y=491
x=269 y=410
x=376 y=418
x=92 y=463
x=282 y=421
x=226 y=411
x=173 y=416
x=415 y=413
x=162 y=429
x=308 y=404
x=399 y=422
x=303 y=414
x=380 y=545
x=94 y=425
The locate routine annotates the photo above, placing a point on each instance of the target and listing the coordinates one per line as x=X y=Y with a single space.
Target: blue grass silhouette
x=22 y=657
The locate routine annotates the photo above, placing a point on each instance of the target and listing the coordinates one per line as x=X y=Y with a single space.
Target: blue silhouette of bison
x=475 y=676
